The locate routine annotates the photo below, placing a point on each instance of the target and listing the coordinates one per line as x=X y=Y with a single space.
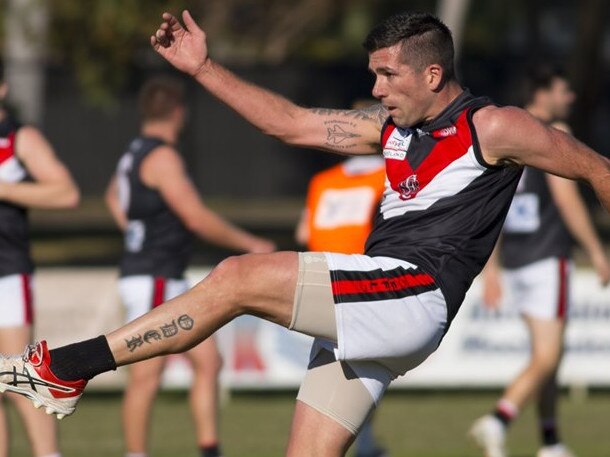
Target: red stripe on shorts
x=159 y=291
x=562 y=305
x=26 y=288
x=363 y=286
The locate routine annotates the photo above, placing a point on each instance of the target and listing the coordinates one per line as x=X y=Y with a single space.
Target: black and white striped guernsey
x=156 y=241
x=443 y=206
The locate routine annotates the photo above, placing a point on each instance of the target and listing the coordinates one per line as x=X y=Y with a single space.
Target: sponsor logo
x=444 y=133
x=397 y=145
x=4 y=143
x=394 y=154
x=408 y=188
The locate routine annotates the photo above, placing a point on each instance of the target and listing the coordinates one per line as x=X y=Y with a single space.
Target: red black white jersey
x=534 y=229
x=156 y=241
x=443 y=205
x=14 y=230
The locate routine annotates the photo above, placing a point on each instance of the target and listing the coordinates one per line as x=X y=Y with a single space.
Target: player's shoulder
x=30 y=142
x=492 y=123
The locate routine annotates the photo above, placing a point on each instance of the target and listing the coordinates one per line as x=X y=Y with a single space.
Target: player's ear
x=434 y=76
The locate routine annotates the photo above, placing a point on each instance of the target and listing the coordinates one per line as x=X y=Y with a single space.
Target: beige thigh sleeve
x=313 y=311
x=332 y=388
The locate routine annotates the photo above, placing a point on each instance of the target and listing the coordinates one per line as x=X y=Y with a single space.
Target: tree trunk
x=26 y=34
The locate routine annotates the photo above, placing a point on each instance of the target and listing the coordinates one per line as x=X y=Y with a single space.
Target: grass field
x=414 y=424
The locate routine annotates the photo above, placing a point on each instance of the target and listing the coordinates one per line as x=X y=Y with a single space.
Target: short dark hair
x=159 y=97
x=425 y=40
x=540 y=77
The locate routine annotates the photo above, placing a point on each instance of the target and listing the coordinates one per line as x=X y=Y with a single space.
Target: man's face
x=559 y=99
x=402 y=89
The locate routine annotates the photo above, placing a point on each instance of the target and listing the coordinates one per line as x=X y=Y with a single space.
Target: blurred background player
x=340 y=207
x=31 y=176
x=154 y=202
x=546 y=214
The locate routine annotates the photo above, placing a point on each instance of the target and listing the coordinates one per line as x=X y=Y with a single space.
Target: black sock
x=550 y=435
x=211 y=451
x=82 y=360
x=503 y=417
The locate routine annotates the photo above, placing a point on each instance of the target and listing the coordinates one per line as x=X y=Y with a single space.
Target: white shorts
x=541 y=289
x=140 y=294
x=16 y=303
x=389 y=316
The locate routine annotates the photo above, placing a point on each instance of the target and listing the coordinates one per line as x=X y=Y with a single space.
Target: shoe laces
x=30 y=349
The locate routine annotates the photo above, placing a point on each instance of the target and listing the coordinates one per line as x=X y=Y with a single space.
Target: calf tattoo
x=168 y=330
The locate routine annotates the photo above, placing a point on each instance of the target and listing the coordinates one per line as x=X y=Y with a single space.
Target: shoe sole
x=51 y=406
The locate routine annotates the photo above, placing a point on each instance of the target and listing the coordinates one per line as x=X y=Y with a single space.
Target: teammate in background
x=340 y=207
x=453 y=162
x=547 y=212
x=154 y=202
x=31 y=176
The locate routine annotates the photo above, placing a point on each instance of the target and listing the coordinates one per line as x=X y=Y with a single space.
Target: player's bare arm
x=513 y=135
x=111 y=198
x=164 y=170
x=340 y=131
x=52 y=185
x=576 y=217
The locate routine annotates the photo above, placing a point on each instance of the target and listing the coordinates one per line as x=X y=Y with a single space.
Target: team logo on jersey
x=409 y=188
x=5 y=143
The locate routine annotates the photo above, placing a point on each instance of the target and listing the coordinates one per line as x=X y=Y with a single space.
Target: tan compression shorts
x=313 y=311
x=330 y=387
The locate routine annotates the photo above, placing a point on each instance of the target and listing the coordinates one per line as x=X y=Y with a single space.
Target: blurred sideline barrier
x=482 y=348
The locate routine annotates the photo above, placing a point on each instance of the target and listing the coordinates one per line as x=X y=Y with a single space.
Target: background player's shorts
x=140 y=294
x=389 y=315
x=16 y=304
x=541 y=289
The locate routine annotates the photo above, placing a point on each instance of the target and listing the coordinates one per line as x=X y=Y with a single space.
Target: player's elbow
x=70 y=198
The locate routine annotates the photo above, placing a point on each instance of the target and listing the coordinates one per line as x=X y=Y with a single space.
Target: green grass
x=414 y=424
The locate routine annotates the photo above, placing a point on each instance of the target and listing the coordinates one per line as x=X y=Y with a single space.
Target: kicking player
x=155 y=203
x=31 y=176
x=546 y=214
x=453 y=162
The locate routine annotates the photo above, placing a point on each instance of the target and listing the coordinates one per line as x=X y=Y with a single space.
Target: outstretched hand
x=185 y=46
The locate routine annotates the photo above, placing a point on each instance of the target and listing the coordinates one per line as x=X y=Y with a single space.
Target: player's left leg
x=41 y=429
x=207 y=363
x=547 y=410
x=546 y=350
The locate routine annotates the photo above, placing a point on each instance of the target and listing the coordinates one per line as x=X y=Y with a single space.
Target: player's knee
x=144 y=382
x=227 y=277
x=545 y=364
x=208 y=367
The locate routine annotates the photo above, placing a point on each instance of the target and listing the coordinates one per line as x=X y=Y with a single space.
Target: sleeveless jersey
x=443 y=205
x=14 y=228
x=156 y=242
x=342 y=202
x=533 y=229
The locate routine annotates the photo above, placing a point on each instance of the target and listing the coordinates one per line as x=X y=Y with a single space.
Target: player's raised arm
x=512 y=134
x=341 y=131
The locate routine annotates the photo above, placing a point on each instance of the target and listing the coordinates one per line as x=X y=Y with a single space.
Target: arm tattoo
x=376 y=113
x=342 y=126
x=169 y=330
